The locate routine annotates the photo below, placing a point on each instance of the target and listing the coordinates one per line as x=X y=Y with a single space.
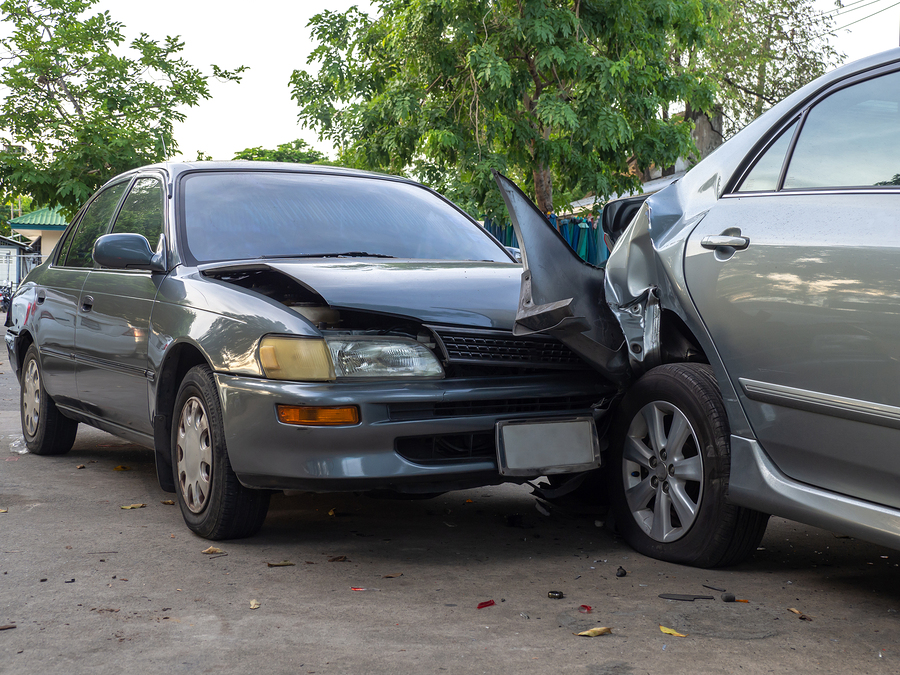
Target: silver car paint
x=648 y=261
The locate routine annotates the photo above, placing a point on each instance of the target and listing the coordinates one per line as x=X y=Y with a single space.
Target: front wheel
x=669 y=471
x=213 y=502
x=47 y=431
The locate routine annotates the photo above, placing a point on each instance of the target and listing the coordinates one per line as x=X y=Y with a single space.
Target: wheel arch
x=23 y=341
x=181 y=357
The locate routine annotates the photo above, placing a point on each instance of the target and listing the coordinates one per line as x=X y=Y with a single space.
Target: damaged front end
x=610 y=316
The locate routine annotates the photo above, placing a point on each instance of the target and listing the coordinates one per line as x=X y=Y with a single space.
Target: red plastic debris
x=585 y=609
x=486 y=603
x=356 y=588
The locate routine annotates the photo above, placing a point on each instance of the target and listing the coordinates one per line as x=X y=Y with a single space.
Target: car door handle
x=87 y=303
x=721 y=240
x=41 y=296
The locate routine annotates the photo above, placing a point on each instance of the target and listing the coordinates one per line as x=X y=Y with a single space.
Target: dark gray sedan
x=267 y=326
x=752 y=310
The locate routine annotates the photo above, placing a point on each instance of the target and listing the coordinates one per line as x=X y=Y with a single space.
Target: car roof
x=174 y=169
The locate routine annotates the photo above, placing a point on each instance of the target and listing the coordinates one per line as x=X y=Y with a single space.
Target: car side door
x=795 y=274
x=114 y=320
x=57 y=293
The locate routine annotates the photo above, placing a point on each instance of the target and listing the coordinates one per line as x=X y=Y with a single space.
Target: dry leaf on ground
x=803 y=617
x=392 y=576
x=254 y=604
x=133 y=506
x=338 y=558
x=211 y=550
x=121 y=468
x=4 y=510
x=81 y=466
x=168 y=502
x=670 y=631
x=283 y=563
x=594 y=632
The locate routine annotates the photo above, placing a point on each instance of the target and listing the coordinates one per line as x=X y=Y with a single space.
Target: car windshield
x=235 y=215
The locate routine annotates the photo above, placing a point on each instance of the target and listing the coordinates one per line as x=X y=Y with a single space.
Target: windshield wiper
x=346 y=254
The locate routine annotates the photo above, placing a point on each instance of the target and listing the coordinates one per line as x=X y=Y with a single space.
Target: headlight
x=317 y=360
x=382 y=357
x=302 y=359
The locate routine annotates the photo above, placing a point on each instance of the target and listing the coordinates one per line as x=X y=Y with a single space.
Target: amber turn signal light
x=314 y=416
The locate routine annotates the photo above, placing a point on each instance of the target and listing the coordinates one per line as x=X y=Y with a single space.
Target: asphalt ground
x=383 y=586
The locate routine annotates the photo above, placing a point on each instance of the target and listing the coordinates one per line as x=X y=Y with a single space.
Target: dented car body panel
x=788 y=294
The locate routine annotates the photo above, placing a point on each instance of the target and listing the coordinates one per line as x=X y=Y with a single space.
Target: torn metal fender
x=560 y=294
x=632 y=291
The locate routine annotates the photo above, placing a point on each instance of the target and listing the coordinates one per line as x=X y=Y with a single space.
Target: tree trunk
x=543 y=188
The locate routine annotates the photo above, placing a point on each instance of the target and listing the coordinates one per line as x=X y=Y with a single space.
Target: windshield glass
x=241 y=215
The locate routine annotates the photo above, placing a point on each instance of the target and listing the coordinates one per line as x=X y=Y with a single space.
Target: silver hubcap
x=31 y=398
x=663 y=471
x=194 y=451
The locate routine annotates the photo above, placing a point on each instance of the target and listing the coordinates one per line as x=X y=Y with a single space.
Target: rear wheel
x=669 y=471
x=213 y=502
x=47 y=431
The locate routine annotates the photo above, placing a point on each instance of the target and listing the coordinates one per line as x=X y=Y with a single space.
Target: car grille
x=447 y=448
x=504 y=348
x=424 y=411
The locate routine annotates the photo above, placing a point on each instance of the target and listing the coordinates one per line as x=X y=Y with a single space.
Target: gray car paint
x=189 y=307
x=841 y=477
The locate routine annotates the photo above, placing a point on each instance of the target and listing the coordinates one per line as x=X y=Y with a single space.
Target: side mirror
x=127 y=251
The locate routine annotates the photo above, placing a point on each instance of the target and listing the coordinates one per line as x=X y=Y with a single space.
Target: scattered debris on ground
x=671 y=631
x=254 y=604
x=801 y=615
x=556 y=595
x=133 y=506
x=283 y=563
x=486 y=603
x=594 y=632
x=621 y=572
x=211 y=550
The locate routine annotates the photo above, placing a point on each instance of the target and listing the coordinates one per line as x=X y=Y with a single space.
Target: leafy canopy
x=763 y=50
x=564 y=95
x=297 y=152
x=78 y=109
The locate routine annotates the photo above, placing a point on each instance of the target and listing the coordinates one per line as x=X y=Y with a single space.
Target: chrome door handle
x=721 y=240
x=41 y=296
x=87 y=303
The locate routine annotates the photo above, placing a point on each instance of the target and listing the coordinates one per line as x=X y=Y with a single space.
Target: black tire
x=47 y=431
x=677 y=486
x=213 y=502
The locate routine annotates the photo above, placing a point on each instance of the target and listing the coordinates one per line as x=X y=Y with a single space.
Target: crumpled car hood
x=463 y=293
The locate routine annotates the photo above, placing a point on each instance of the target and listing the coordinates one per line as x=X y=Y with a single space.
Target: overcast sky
x=271 y=38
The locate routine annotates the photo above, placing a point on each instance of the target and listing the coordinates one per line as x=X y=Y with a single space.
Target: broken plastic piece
x=685 y=597
x=621 y=572
x=356 y=588
x=556 y=595
x=486 y=603
x=585 y=609
x=713 y=588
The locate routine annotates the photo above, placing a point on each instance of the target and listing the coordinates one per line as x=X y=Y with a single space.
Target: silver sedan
x=750 y=312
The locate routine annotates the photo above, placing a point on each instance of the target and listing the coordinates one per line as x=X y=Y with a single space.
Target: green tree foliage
x=297 y=152
x=558 y=94
x=76 y=110
x=761 y=51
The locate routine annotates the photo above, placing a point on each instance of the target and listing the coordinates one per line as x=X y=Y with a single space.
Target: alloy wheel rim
x=662 y=470
x=193 y=446
x=31 y=398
